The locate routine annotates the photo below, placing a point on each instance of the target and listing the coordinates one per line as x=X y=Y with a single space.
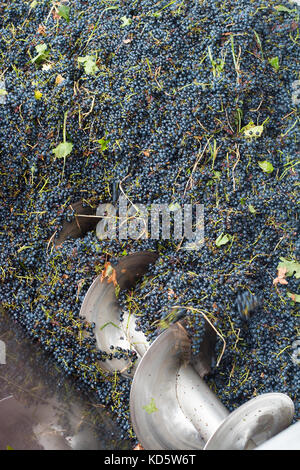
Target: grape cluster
x=157 y=108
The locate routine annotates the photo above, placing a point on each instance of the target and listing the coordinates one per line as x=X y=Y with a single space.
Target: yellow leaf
x=38 y=94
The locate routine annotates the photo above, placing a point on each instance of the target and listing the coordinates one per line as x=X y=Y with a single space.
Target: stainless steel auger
x=171 y=406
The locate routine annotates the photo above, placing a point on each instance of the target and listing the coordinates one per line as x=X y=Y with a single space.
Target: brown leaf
x=280 y=279
x=55 y=15
x=41 y=30
x=110 y=273
x=104 y=272
x=171 y=293
x=113 y=278
x=138 y=447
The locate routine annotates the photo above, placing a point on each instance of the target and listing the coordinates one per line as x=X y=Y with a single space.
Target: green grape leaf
x=252 y=209
x=42 y=53
x=274 y=62
x=125 y=21
x=217 y=174
x=292 y=267
x=283 y=8
x=104 y=143
x=3 y=92
x=266 y=166
x=294 y=297
x=41 y=48
x=63 y=150
x=33 y=4
x=254 y=131
x=151 y=408
x=64 y=12
x=89 y=64
x=223 y=239
x=248 y=126
x=175 y=206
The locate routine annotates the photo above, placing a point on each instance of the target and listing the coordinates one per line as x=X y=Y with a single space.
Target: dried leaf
x=46 y=67
x=41 y=30
x=59 y=79
x=107 y=268
x=55 y=15
x=280 y=279
x=113 y=278
x=110 y=273
x=138 y=447
x=171 y=293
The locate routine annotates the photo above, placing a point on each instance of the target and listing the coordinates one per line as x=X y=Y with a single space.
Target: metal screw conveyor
x=171 y=406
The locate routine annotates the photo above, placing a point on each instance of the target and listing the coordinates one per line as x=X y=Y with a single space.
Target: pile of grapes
x=164 y=101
